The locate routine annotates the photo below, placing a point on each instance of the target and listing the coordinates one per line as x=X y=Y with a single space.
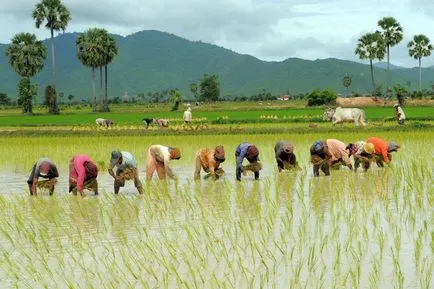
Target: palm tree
x=26 y=56
x=420 y=47
x=392 y=35
x=371 y=46
x=56 y=16
x=110 y=51
x=88 y=52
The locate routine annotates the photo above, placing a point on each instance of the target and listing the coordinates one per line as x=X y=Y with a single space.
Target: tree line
x=96 y=49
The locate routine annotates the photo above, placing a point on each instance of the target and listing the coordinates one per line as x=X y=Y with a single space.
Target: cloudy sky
x=267 y=29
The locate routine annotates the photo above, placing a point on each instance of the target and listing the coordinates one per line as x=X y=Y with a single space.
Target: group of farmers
x=324 y=154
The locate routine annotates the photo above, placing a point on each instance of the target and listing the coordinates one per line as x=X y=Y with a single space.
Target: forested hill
x=150 y=61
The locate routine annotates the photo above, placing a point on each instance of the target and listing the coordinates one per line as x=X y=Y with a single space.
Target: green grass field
x=129 y=115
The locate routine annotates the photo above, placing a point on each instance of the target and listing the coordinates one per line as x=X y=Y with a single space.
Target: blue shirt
x=241 y=153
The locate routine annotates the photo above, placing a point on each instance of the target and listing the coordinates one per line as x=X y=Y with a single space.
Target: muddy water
x=226 y=234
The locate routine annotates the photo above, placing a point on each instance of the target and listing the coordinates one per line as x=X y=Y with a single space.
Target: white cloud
x=267 y=29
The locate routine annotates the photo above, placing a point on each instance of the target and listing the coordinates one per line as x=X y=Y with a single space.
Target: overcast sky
x=267 y=29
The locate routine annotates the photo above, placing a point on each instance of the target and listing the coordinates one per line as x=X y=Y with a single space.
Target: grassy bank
x=258 y=127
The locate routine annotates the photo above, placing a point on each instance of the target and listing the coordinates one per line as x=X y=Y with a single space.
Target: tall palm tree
x=88 y=52
x=420 y=47
x=110 y=51
x=371 y=46
x=392 y=35
x=26 y=56
x=56 y=16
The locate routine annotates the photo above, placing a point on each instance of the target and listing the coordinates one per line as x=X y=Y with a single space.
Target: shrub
x=318 y=97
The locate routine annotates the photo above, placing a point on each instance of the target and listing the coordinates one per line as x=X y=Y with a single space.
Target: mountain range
x=151 y=61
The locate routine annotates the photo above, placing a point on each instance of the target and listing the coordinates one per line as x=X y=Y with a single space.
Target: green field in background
x=126 y=115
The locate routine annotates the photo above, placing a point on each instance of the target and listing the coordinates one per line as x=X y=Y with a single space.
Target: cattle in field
x=340 y=115
x=104 y=122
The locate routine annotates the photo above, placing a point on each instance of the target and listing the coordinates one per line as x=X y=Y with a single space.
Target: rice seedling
x=285 y=230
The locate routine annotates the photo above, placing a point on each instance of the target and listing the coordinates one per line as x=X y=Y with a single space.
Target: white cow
x=340 y=114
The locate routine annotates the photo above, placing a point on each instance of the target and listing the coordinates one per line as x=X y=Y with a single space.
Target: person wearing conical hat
x=251 y=153
x=209 y=160
x=158 y=160
x=126 y=170
x=44 y=168
x=285 y=157
x=363 y=155
x=383 y=150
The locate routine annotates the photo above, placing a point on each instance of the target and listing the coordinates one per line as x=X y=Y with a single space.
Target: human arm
x=197 y=169
x=385 y=155
x=54 y=173
x=34 y=179
x=167 y=169
x=212 y=164
x=346 y=159
x=33 y=186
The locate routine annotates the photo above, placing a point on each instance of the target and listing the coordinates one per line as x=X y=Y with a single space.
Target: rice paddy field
x=288 y=230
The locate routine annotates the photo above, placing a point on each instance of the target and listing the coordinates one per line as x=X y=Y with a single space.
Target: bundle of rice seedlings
x=254 y=167
x=316 y=160
x=289 y=167
x=218 y=173
x=47 y=184
x=128 y=174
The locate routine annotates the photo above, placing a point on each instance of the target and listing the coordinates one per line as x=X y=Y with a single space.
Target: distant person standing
x=44 y=168
x=187 y=116
x=400 y=115
x=126 y=170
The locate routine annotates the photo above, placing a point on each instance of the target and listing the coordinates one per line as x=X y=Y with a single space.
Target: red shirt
x=77 y=170
x=380 y=146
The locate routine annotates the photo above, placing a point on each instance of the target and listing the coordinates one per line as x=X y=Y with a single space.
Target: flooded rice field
x=289 y=230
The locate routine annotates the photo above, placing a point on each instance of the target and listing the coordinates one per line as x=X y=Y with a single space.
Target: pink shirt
x=77 y=170
x=337 y=150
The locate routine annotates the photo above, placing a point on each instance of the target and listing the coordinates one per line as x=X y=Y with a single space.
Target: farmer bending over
x=339 y=152
x=148 y=121
x=209 y=160
x=82 y=175
x=382 y=150
x=161 y=122
x=324 y=154
x=319 y=156
x=44 y=168
x=285 y=157
x=158 y=159
x=251 y=153
x=126 y=170
x=363 y=155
